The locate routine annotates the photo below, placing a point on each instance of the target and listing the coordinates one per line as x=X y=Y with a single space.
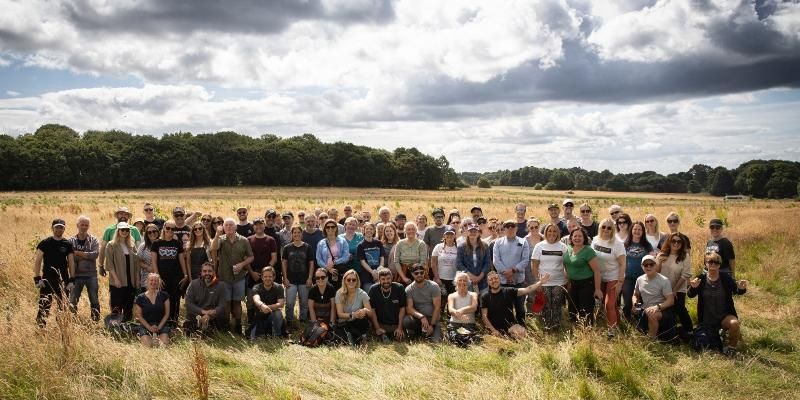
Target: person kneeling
x=206 y=303
x=268 y=298
x=151 y=309
x=423 y=306
x=715 y=308
x=497 y=306
x=652 y=298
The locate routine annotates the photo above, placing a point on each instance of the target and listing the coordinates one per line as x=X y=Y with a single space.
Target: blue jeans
x=292 y=291
x=90 y=283
x=266 y=324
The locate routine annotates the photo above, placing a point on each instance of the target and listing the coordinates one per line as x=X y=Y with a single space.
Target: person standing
x=121 y=215
x=410 y=251
x=587 y=222
x=150 y=216
x=232 y=254
x=547 y=257
x=85 y=251
x=636 y=247
x=333 y=254
x=123 y=272
x=583 y=271
x=244 y=227
x=311 y=233
x=265 y=252
x=435 y=233
x=371 y=255
x=553 y=211
x=297 y=263
x=443 y=261
x=568 y=205
x=51 y=270
x=473 y=258
x=285 y=234
x=348 y=212
x=511 y=258
x=353 y=239
x=183 y=224
x=611 y=257
x=653 y=234
x=198 y=250
x=167 y=262
x=522 y=222
x=674 y=224
x=721 y=245
x=423 y=306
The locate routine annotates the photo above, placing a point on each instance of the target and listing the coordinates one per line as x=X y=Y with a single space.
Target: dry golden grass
x=74 y=359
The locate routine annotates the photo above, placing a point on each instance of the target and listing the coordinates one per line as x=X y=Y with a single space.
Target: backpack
x=706 y=338
x=316 y=334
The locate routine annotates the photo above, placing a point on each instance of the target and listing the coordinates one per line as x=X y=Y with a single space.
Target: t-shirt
x=245 y=230
x=655 y=240
x=230 y=253
x=262 y=251
x=578 y=264
x=500 y=307
x=356 y=301
x=371 y=252
x=633 y=260
x=724 y=247
x=423 y=296
x=180 y=232
x=522 y=229
x=551 y=261
x=313 y=239
x=608 y=252
x=152 y=312
x=591 y=230
x=269 y=296
x=167 y=257
x=433 y=236
x=111 y=230
x=55 y=253
x=653 y=291
x=158 y=222
x=387 y=307
x=715 y=307
x=446 y=258
x=297 y=259
x=322 y=301
x=352 y=248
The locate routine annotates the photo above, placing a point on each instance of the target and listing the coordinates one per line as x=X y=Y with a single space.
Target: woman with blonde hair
x=152 y=309
x=387 y=234
x=611 y=256
x=122 y=265
x=651 y=231
x=353 y=309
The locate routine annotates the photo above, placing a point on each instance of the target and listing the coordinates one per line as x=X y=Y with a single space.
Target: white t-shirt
x=446 y=260
x=654 y=239
x=551 y=261
x=608 y=252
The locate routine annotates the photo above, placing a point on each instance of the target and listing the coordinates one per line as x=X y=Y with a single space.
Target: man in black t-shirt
x=497 y=306
x=268 y=298
x=244 y=227
x=723 y=246
x=52 y=270
x=388 y=300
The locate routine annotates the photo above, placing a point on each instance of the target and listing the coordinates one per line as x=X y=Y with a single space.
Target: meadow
x=74 y=359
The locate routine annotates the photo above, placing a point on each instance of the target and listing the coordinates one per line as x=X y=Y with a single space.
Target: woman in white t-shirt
x=547 y=257
x=611 y=257
x=443 y=261
x=652 y=233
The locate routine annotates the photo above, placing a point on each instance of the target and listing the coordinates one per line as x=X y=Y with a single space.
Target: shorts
x=237 y=290
x=142 y=331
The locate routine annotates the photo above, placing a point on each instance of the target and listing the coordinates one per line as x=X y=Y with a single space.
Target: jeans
x=292 y=291
x=90 y=283
x=627 y=293
x=267 y=324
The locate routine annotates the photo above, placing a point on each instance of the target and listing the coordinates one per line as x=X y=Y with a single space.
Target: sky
x=624 y=85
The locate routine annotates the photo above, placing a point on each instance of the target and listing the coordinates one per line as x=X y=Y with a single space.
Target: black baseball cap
x=715 y=222
x=287 y=214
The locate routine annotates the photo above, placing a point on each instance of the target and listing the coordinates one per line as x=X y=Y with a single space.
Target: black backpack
x=706 y=338
x=316 y=334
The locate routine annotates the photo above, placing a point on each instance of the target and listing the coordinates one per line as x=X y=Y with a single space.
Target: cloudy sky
x=627 y=85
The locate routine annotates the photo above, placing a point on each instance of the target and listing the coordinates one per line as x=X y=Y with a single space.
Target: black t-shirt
x=591 y=230
x=181 y=232
x=245 y=230
x=501 y=307
x=158 y=222
x=724 y=247
x=522 y=229
x=342 y=220
x=167 y=257
x=371 y=252
x=55 y=256
x=269 y=296
x=152 y=312
x=297 y=259
x=322 y=301
x=386 y=307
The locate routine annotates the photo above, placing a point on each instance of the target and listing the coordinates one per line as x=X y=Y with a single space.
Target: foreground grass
x=76 y=360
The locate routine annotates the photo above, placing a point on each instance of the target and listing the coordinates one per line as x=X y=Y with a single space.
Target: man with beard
x=497 y=306
x=243 y=227
x=52 y=269
x=388 y=300
x=435 y=233
x=423 y=306
x=206 y=301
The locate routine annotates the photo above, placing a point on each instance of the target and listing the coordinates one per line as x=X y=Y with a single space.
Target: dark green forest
x=58 y=157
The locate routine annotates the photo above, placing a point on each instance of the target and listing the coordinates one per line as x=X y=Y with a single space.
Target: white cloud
x=12 y=93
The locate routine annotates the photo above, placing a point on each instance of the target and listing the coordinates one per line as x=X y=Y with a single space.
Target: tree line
x=757 y=178
x=57 y=157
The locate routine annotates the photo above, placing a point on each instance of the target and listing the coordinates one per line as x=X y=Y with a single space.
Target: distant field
x=76 y=360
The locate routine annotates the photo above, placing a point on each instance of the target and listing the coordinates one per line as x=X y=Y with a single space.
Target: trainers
x=611 y=332
x=385 y=339
x=729 y=351
x=350 y=340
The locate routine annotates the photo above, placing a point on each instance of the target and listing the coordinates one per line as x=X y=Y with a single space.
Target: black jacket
x=729 y=289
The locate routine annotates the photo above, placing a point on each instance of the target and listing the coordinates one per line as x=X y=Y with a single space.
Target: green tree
x=721 y=182
x=484 y=183
x=561 y=180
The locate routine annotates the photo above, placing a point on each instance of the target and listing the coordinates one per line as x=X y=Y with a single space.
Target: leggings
x=581 y=300
x=679 y=309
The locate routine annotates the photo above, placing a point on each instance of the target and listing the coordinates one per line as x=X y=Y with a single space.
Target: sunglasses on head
x=672 y=221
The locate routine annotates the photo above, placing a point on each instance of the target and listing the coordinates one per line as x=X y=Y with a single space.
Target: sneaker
x=611 y=332
x=729 y=351
x=385 y=339
x=350 y=340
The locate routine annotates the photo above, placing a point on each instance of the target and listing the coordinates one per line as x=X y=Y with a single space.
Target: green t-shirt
x=578 y=264
x=111 y=230
x=230 y=253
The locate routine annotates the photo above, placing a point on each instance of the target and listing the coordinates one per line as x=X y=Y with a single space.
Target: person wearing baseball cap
x=434 y=234
x=53 y=269
x=243 y=226
x=721 y=245
x=443 y=259
x=568 y=205
x=654 y=298
x=473 y=258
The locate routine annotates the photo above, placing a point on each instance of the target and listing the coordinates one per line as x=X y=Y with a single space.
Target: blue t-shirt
x=633 y=259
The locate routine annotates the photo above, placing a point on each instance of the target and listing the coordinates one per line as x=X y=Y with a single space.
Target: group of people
x=392 y=277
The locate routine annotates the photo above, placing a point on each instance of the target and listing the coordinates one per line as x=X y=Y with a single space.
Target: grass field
x=75 y=360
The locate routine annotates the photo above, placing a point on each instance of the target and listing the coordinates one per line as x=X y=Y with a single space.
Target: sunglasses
x=649 y=265
x=350 y=280
x=360 y=221
x=677 y=242
x=178 y=215
x=321 y=277
x=148 y=209
x=672 y=221
x=569 y=205
x=205 y=220
x=715 y=227
x=714 y=262
x=586 y=211
x=606 y=228
x=650 y=221
x=331 y=227
x=455 y=223
x=125 y=230
x=534 y=227
x=169 y=228
x=199 y=229
x=149 y=232
x=416 y=273
x=622 y=222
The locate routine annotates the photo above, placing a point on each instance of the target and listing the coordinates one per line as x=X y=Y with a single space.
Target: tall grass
x=74 y=359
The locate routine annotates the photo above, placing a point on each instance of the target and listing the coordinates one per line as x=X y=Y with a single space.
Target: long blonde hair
x=128 y=242
x=344 y=290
